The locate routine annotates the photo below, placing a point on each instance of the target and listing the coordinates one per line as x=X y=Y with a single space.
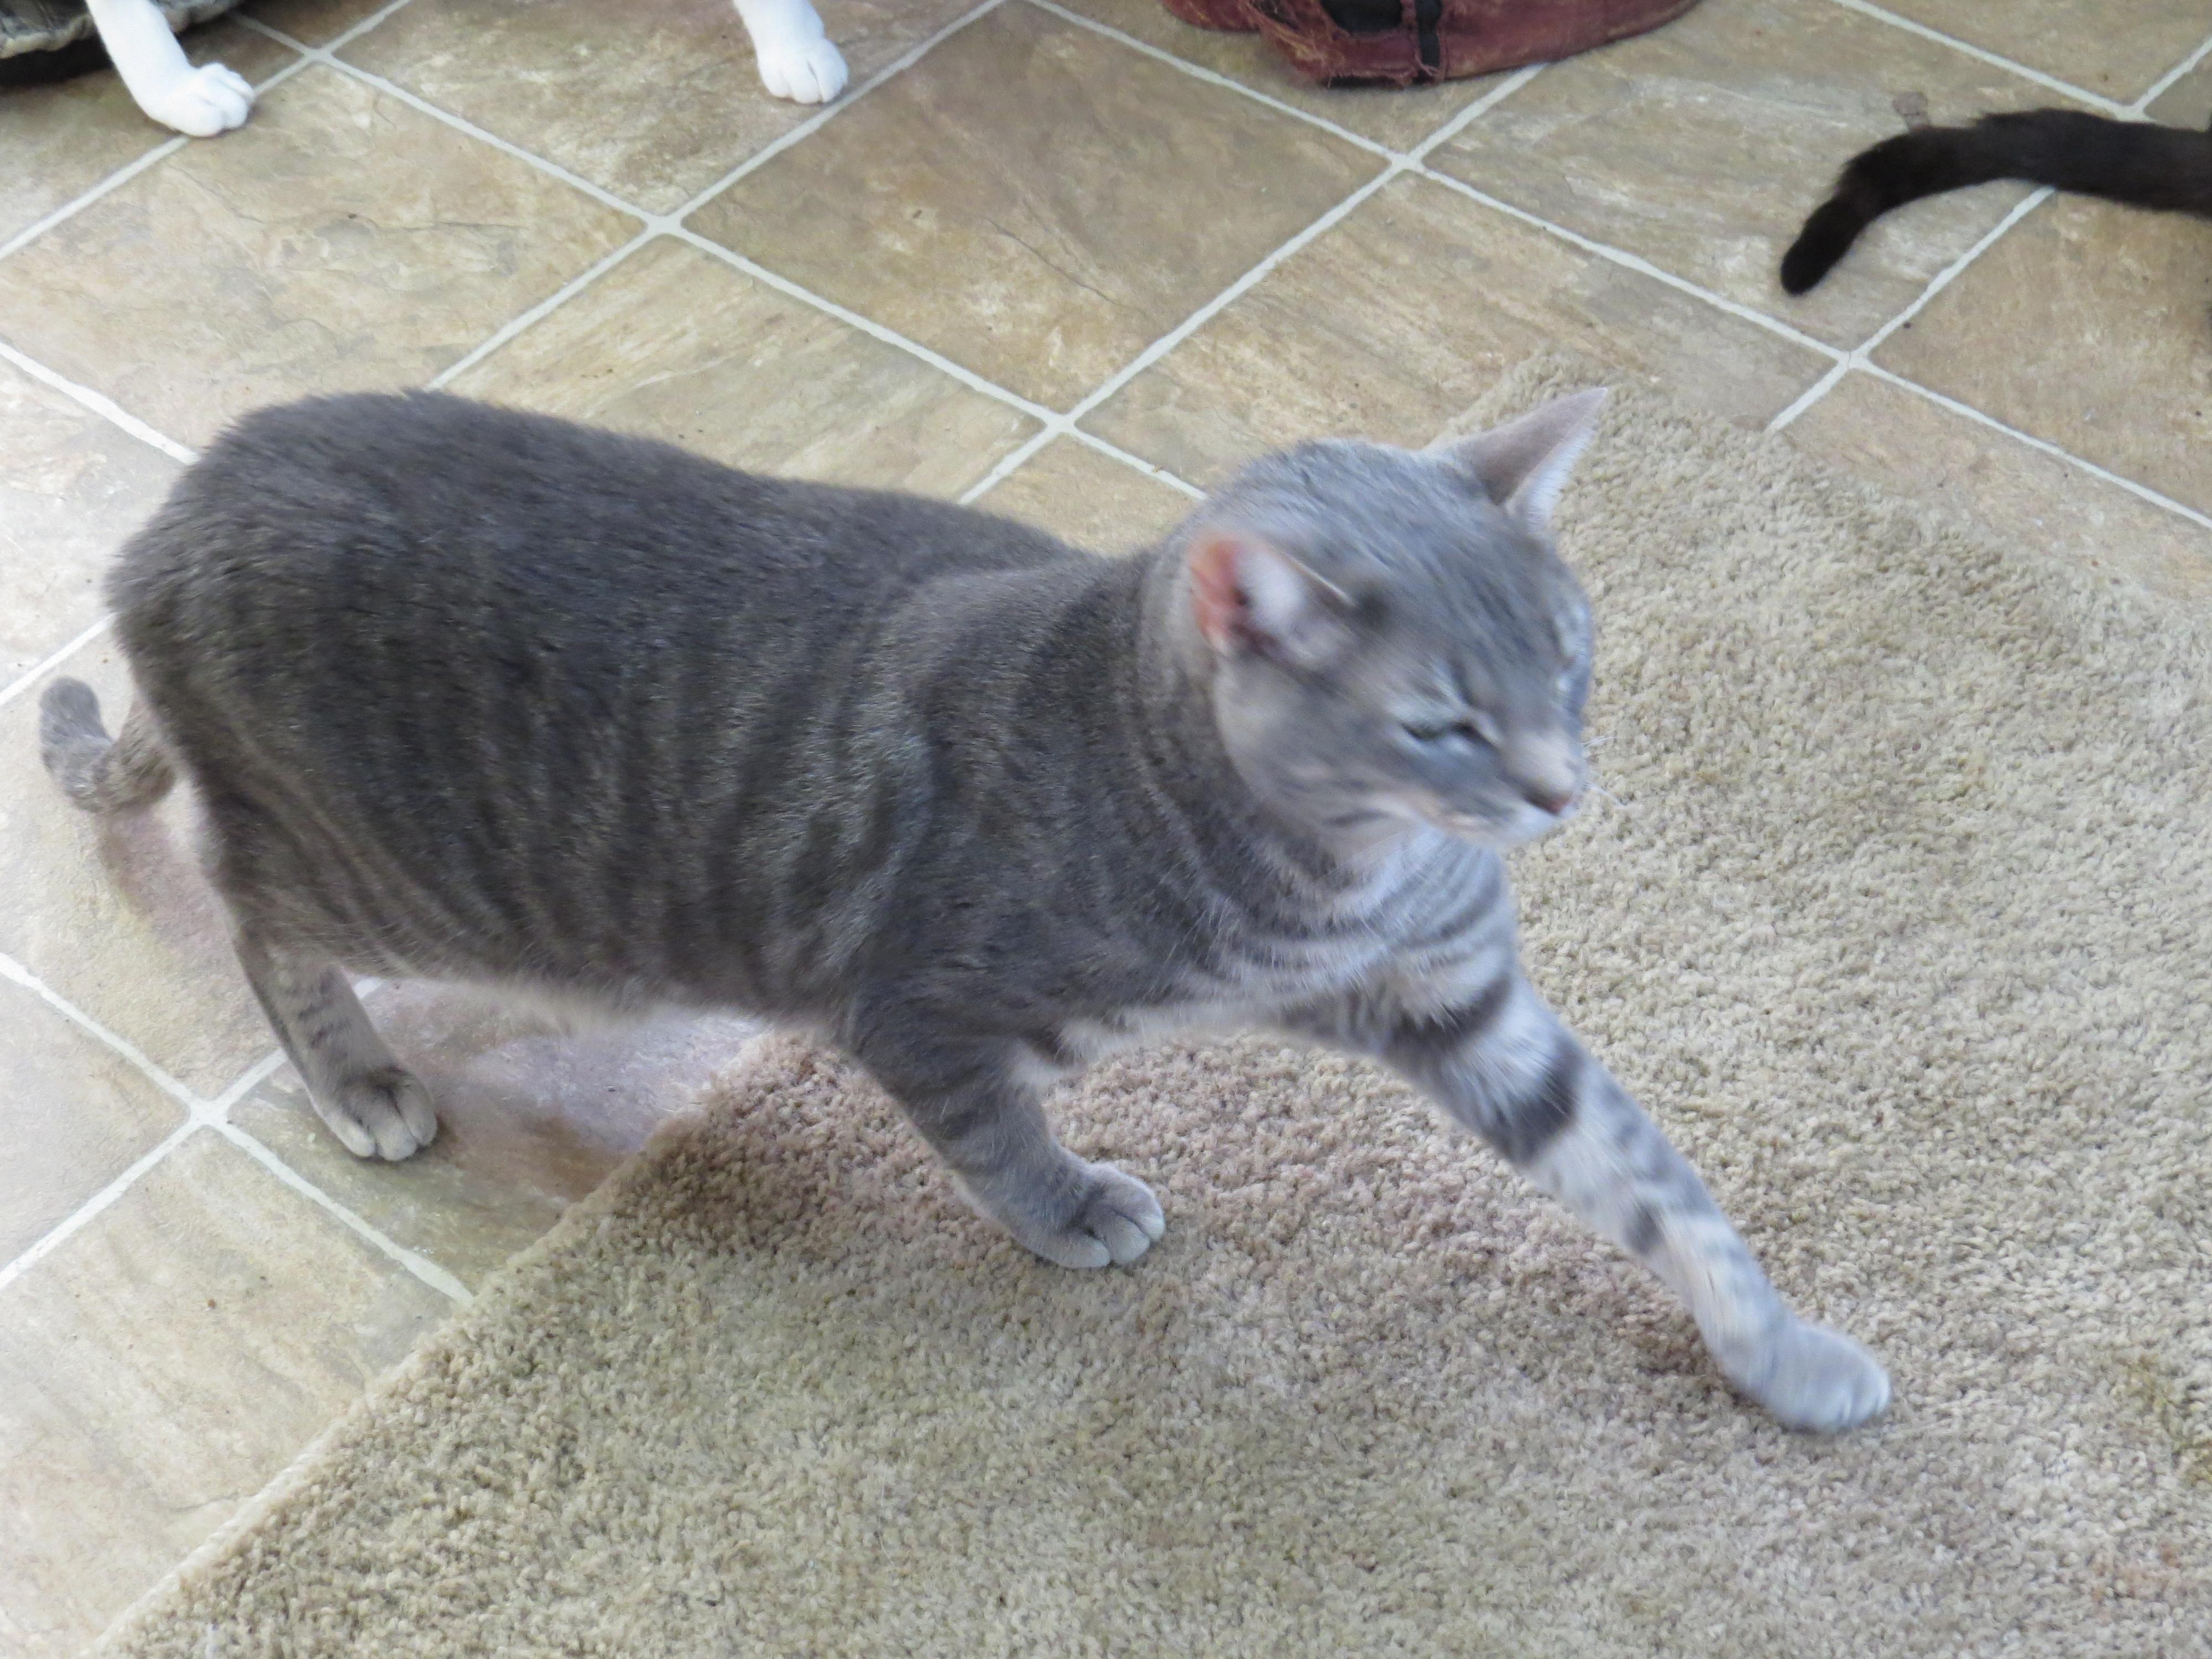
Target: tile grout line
x=99 y=402
x=1637 y=262
x=2044 y=445
x=33 y=675
x=2165 y=82
x=161 y=150
x=322 y=55
x=545 y=307
x=774 y=148
x=62 y=1230
x=16 y=974
x=2049 y=82
x=422 y=1266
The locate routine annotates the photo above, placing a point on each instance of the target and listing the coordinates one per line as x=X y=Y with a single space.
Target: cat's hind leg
x=374 y=1104
x=793 y=52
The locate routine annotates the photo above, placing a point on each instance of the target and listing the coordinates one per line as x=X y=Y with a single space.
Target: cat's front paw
x=1103 y=1216
x=807 y=69
x=201 y=102
x=1813 y=1379
x=385 y=1113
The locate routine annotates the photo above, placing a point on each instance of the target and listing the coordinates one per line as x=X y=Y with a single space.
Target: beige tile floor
x=1071 y=260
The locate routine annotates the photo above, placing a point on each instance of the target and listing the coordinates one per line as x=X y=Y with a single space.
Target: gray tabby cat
x=475 y=694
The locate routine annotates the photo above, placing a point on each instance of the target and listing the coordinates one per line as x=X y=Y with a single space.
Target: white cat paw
x=1813 y=1379
x=201 y=102
x=806 y=69
x=1114 y=1219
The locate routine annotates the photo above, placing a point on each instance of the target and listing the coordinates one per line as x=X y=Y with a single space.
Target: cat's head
x=1393 y=639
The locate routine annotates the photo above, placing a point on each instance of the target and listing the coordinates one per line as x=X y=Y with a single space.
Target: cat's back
x=425 y=512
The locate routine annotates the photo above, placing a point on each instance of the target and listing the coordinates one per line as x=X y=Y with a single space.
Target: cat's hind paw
x=385 y=1113
x=1114 y=1219
x=807 y=69
x=202 y=103
x=1815 y=1379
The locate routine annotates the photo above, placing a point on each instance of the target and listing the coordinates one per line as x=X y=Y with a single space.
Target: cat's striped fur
x=475 y=694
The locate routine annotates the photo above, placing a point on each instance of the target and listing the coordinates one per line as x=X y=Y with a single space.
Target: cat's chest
x=1410 y=919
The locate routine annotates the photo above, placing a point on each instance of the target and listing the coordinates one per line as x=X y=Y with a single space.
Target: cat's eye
x=1475 y=728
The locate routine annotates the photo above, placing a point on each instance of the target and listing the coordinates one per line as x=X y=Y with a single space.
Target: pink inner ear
x=1215 y=599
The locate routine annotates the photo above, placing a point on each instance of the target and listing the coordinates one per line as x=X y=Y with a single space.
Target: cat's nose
x=1554 y=801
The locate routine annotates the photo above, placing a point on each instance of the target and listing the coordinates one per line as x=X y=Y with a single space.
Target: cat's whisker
x=1606 y=794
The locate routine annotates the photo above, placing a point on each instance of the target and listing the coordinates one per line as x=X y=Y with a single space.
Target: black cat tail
x=2136 y=162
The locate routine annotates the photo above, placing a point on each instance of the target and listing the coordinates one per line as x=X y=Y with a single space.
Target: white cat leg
x=796 y=58
x=199 y=101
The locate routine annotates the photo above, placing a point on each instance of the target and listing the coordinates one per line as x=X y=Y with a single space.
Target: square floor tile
x=2188 y=101
x=1036 y=202
x=112 y=913
x=1088 y=498
x=340 y=240
x=73 y=1116
x=654 y=106
x=2021 y=495
x=529 y=1119
x=2116 y=48
x=1702 y=146
x=163 y=1364
x=1397 y=317
x=1400 y=117
x=73 y=485
x=2089 y=325
x=61 y=140
x=674 y=342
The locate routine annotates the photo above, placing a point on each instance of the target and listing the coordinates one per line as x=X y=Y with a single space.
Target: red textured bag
x=1402 y=41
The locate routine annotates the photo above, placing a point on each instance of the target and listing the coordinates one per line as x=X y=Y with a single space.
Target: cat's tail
x=2134 y=162
x=98 y=773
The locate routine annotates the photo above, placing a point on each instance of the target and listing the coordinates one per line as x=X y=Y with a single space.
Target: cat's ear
x=1523 y=465
x=1247 y=595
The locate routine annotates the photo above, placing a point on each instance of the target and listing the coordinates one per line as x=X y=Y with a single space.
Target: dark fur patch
x=1523 y=1131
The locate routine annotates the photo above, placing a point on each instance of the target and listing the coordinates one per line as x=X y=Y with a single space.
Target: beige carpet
x=1902 y=926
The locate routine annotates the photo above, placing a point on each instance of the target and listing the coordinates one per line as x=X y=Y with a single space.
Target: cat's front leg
x=793 y=50
x=975 y=1101
x=201 y=102
x=1501 y=1061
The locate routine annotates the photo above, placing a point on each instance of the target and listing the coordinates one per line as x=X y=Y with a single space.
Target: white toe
x=806 y=71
